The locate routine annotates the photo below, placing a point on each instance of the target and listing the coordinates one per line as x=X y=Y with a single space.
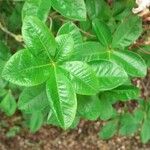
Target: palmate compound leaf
x=110 y=75
x=26 y=70
x=62 y=97
x=73 y=9
x=38 y=8
x=131 y=62
x=82 y=77
x=38 y=38
x=33 y=99
x=73 y=30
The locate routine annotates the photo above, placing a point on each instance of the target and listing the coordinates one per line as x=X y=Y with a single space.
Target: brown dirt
x=83 y=138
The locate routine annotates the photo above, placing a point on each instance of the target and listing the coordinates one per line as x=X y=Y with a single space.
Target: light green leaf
x=73 y=30
x=73 y=9
x=38 y=38
x=87 y=51
x=145 y=131
x=108 y=130
x=32 y=99
x=26 y=70
x=36 y=121
x=82 y=77
x=38 y=8
x=62 y=98
x=88 y=107
x=65 y=45
x=103 y=32
x=127 y=32
x=110 y=75
x=8 y=104
x=132 y=63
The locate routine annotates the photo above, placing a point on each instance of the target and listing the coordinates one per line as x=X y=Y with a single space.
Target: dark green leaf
x=108 y=130
x=89 y=107
x=32 y=99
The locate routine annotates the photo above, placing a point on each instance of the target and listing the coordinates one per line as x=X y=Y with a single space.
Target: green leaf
x=88 y=107
x=103 y=32
x=65 y=45
x=87 y=51
x=38 y=8
x=98 y=9
x=128 y=125
x=123 y=92
x=38 y=38
x=73 y=30
x=73 y=9
x=145 y=131
x=36 y=121
x=108 y=130
x=62 y=98
x=4 y=52
x=106 y=109
x=82 y=76
x=4 y=56
x=26 y=70
x=110 y=75
x=32 y=99
x=127 y=32
x=132 y=63
x=8 y=104
x=144 y=52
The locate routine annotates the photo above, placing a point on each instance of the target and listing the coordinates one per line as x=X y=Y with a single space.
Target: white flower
x=142 y=5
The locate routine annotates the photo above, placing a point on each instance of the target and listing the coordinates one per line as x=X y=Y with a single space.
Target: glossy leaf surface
x=109 y=74
x=25 y=70
x=73 y=9
x=38 y=8
x=62 y=98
